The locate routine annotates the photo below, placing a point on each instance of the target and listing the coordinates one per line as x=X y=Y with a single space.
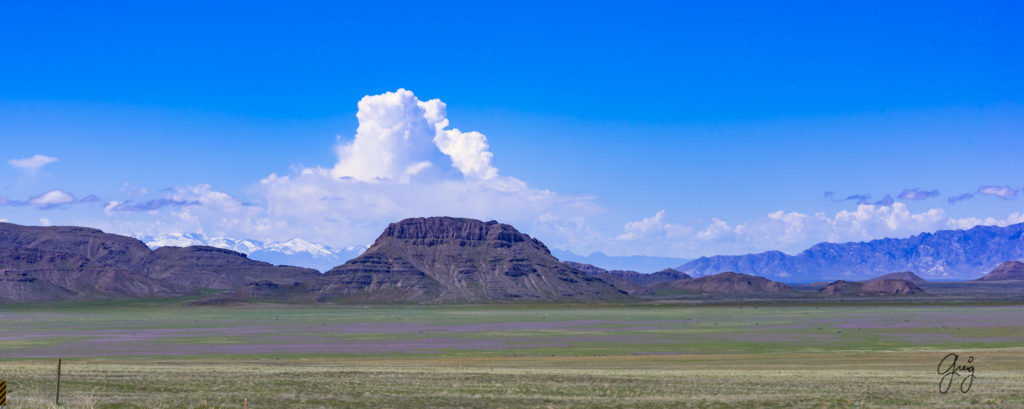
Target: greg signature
x=950 y=369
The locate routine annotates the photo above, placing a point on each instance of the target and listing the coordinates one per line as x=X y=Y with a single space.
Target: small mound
x=667 y=275
x=872 y=287
x=263 y=290
x=730 y=283
x=904 y=275
x=1010 y=270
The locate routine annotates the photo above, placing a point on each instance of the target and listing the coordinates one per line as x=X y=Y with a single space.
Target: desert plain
x=170 y=354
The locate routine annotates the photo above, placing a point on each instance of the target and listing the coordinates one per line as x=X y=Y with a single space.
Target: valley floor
x=165 y=355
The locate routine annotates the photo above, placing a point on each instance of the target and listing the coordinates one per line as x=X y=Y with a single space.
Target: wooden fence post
x=57 y=400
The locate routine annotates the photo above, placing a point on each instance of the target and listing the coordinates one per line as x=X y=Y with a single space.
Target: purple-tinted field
x=497 y=331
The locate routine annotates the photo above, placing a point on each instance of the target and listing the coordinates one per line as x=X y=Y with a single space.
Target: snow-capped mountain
x=295 y=246
x=294 y=252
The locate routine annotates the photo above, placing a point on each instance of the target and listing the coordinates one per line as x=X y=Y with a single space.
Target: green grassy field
x=166 y=355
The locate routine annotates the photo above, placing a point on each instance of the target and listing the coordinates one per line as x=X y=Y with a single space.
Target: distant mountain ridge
x=625 y=279
x=943 y=255
x=294 y=252
x=641 y=264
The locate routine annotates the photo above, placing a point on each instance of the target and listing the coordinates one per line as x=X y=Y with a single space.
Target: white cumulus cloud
x=400 y=137
x=968 y=222
x=648 y=227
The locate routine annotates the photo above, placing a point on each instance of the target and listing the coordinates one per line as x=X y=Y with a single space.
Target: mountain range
x=455 y=260
x=642 y=264
x=294 y=252
x=943 y=255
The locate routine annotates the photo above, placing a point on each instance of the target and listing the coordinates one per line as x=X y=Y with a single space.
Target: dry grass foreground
x=840 y=380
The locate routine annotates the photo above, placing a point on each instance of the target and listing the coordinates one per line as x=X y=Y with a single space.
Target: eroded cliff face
x=444 y=259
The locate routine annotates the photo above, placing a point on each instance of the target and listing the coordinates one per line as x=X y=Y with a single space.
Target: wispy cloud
x=155 y=204
x=886 y=201
x=959 y=198
x=52 y=199
x=863 y=198
x=917 y=194
x=32 y=164
x=1004 y=192
x=90 y=199
x=859 y=198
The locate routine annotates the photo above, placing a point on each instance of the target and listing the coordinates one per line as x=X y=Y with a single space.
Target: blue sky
x=629 y=128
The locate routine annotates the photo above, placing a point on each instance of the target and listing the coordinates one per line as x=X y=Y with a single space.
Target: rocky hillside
x=725 y=283
x=946 y=254
x=1010 y=270
x=444 y=259
x=879 y=286
x=61 y=263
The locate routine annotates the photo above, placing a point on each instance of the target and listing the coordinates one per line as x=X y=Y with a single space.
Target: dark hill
x=727 y=283
x=94 y=245
x=893 y=286
x=39 y=264
x=1010 y=270
x=444 y=259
